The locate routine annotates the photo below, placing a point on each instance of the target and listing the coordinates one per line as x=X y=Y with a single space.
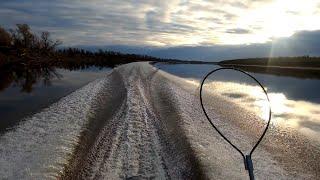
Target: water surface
x=25 y=96
x=295 y=102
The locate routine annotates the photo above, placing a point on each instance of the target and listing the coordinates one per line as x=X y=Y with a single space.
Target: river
x=20 y=98
x=143 y=121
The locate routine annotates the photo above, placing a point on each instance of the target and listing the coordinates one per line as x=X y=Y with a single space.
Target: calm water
x=295 y=102
x=18 y=100
x=293 y=88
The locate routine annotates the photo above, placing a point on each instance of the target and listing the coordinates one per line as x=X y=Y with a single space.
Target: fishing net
x=237 y=106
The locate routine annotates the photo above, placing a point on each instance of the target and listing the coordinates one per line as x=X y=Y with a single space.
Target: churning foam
x=39 y=147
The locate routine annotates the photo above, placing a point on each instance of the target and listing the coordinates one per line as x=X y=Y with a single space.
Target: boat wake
x=136 y=123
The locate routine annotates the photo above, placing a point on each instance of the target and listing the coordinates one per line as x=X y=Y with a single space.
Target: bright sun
x=279 y=18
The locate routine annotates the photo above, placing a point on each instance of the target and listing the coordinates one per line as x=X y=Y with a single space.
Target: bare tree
x=47 y=44
x=5 y=38
x=22 y=37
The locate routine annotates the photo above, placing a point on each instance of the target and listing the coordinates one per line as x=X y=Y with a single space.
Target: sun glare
x=285 y=112
x=280 y=18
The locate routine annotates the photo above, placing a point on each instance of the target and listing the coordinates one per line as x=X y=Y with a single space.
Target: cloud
x=229 y=16
x=163 y=23
x=238 y=31
x=239 y=4
x=300 y=44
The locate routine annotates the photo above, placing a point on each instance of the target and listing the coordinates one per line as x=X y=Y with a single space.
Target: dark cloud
x=76 y=23
x=96 y=21
x=238 y=31
x=300 y=44
x=151 y=19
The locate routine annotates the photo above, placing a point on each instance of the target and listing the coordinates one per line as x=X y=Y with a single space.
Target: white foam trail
x=39 y=146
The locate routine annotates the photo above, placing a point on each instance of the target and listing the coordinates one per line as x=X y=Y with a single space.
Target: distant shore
x=300 y=67
x=301 y=61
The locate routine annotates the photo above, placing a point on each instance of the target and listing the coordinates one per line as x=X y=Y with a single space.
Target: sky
x=171 y=25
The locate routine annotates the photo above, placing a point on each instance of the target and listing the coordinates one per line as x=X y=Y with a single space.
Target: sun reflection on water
x=301 y=116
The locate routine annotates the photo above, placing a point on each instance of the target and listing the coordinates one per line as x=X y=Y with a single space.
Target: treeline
x=27 y=57
x=21 y=47
x=74 y=58
x=301 y=61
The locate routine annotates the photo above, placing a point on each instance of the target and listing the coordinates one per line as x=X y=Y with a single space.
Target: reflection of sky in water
x=293 y=88
x=250 y=97
x=301 y=115
x=295 y=103
x=15 y=104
